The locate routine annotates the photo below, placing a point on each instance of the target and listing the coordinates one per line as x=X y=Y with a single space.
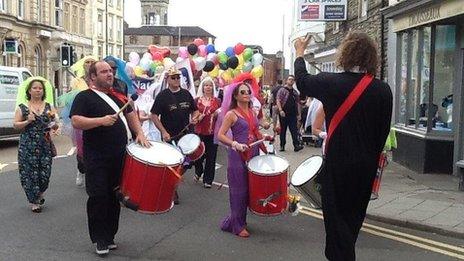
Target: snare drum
x=150 y=176
x=303 y=179
x=191 y=146
x=267 y=184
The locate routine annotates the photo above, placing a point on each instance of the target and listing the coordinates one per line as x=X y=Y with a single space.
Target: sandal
x=36 y=208
x=244 y=233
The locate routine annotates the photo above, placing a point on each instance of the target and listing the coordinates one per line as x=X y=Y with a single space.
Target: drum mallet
x=133 y=98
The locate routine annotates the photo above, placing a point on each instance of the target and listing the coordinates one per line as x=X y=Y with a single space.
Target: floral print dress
x=34 y=155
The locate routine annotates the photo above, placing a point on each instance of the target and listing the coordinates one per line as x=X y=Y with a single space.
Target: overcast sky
x=231 y=21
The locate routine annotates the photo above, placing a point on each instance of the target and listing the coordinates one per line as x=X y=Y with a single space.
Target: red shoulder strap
x=347 y=104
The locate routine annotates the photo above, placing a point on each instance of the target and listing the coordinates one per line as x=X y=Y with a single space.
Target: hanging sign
x=322 y=10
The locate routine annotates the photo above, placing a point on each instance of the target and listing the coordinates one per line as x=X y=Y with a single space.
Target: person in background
x=36 y=119
x=118 y=85
x=208 y=105
x=352 y=154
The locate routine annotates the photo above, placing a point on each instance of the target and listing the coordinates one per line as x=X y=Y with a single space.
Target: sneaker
x=112 y=245
x=206 y=185
x=79 y=179
x=196 y=178
x=102 y=249
x=282 y=148
x=298 y=148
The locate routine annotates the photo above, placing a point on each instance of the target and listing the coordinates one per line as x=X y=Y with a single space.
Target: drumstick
x=256 y=143
x=133 y=98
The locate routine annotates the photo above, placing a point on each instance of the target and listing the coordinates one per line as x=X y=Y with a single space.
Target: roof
x=168 y=30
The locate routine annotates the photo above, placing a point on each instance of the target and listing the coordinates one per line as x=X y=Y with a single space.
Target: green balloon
x=222 y=56
x=247 y=54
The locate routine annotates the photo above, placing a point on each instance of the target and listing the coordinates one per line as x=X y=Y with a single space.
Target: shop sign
x=322 y=10
x=424 y=16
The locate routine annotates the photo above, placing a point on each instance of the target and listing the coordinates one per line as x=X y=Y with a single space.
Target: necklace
x=36 y=108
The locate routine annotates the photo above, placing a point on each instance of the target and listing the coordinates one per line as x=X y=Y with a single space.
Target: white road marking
x=2 y=166
x=71 y=151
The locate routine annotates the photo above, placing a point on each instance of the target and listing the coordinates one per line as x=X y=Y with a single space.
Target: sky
x=231 y=21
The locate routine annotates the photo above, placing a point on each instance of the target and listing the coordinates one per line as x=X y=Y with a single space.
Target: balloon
x=257 y=59
x=192 y=49
x=236 y=72
x=223 y=66
x=153 y=67
x=179 y=59
x=222 y=56
x=147 y=55
x=214 y=73
x=247 y=67
x=210 y=48
x=192 y=65
x=198 y=42
x=157 y=56
x=202 y=50
x=247 y=54
x=168 y=62
x=240 y=60
x=134 y=58
x=227 y=75
x=209 y=66
x=212 y=57
x=232 y=62
x=258 y=71
x=230 y=51
x=238 y=49
x=159 y=69
x=145 y=63
x=200 y=63
x=138 y=71
x=183 y=52
x=165 y=51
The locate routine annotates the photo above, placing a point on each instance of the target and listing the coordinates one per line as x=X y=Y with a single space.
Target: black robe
x=352 y=155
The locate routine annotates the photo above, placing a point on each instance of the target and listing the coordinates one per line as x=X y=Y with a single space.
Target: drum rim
x=272 y=174
x=156 y=164
x=304 y=183
x=192 y=150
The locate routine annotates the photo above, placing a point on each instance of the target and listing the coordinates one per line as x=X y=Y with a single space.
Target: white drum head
x=159 y=153
x=268 y=164
x=189 y=143
x=306 y=170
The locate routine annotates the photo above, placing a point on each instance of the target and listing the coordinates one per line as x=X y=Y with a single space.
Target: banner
x=322 y=10
x=141 y=84
x=186 y=78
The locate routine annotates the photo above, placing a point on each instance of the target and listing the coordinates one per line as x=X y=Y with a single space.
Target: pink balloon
x=213 y=57
x=239 y=48
x=202 y=50
x=198 y=42
x=183 y=53
x=157 y=56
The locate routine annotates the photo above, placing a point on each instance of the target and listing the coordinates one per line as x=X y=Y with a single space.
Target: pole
x=106 y=28
x=282 y=60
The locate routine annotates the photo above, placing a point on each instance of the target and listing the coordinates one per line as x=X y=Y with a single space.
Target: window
x=3 y=5
x=117 y=52
x=110 y=49
x=404 y=77
x=336 y=27
x=443 y=80
x=39 y=11
x=21 y=55
x=100 y=50
x=119 y=30
x=75 y=21
x=20 y=8
x=110 y=2
x=110 y=27
x=363 y=5
x=67 y=18
x=38 y=61
x=59 y=13
x=156 y=39
x=100 y=23
x=133 y=39
x=82 y=21
x=119 y=5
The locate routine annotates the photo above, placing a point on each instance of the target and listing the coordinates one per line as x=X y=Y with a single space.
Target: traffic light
x=66 y=55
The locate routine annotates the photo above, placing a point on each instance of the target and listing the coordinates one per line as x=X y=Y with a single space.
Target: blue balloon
x=230 y=51
x=210 y=48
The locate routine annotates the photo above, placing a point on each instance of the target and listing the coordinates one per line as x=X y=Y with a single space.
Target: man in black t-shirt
x=105 y=136
x=287 y=105
x=175 y=106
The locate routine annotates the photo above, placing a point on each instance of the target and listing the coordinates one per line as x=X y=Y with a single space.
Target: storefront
x=428 y=82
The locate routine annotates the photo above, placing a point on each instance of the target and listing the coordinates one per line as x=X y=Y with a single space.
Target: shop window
x=426 y=109
x=445 y=44
x=404 y=79
x=413 y=84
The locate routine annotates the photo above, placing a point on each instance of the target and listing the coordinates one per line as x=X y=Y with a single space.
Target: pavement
x=429 y=202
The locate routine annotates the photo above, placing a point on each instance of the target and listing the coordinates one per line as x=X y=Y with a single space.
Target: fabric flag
x=186 y=79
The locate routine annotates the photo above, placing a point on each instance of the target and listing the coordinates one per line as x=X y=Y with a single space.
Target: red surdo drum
x=191 y=146
x=150 y=176
x=267 y=183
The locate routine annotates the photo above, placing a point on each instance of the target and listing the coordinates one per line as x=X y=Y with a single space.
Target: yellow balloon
x=214 y=73
x=227 y=75
x=138 y=71
x=258 y=71
x=240 y=60
x=237 y=71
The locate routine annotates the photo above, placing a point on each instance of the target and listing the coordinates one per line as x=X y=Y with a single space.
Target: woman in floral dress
x=36 y=120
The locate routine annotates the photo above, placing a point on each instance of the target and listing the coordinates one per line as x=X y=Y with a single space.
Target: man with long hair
x=354 y=149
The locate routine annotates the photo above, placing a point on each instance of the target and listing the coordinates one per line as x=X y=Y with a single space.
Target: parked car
x=10 y=79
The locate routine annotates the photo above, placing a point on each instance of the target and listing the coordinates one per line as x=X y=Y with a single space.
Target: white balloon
x=200 y=63
x=147 y=55
x=179 y=59
x=257 y=59
x=168 y=62
x=247 y=67
x=145 y=63
x=134 y=58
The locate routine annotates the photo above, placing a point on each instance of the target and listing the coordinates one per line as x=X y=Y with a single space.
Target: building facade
x=154 y=12
x=108 y=28
x=427 y=74
x=39 y=28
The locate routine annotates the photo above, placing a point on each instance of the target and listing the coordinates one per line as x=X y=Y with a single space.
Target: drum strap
x=252 y=131
x=346 y=106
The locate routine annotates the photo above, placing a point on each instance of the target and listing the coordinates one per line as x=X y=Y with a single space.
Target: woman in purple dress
x=242 y=122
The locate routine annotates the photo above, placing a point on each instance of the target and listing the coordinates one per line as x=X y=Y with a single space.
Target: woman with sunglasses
x=208 y=105
x=239 y=120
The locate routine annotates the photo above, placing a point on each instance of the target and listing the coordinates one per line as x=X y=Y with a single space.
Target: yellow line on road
x=423 y=243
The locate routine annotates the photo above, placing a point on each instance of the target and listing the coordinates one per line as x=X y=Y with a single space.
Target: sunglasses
x=175 y=77
x=244 y=92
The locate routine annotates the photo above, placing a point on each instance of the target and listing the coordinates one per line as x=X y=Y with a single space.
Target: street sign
x=10 y=46
x=322 y=10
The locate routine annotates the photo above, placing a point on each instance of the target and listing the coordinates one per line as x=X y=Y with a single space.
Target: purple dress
x=237 y=176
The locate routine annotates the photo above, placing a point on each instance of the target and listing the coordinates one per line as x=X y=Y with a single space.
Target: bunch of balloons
x=154 y=61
